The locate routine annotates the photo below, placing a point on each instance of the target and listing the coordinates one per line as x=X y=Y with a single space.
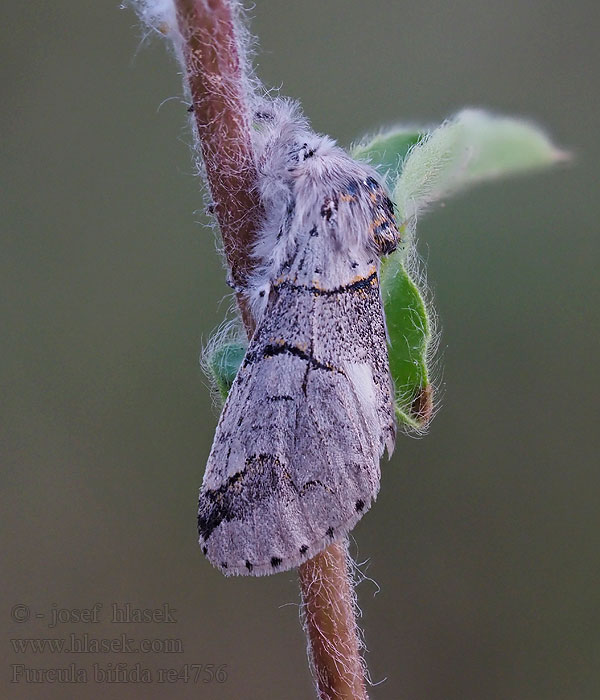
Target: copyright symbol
x=20 y=613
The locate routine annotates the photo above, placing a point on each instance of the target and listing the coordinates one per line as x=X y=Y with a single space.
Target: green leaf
x=426 y=166
x=223 y=364
x=388 y=149
x=472 y=147
x=409 y=336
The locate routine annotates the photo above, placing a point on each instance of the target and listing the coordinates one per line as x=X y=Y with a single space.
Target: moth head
x=284 y=144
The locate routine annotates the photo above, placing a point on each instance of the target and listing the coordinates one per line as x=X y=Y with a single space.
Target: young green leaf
x=388 y=150
x=471 y=147
x=223 y=363
x=409 y=336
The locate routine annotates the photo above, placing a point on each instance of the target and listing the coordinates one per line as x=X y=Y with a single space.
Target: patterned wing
x=295 y=460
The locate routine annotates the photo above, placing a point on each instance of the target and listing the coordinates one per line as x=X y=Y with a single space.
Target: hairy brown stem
x=329 y=617
x=217 y=84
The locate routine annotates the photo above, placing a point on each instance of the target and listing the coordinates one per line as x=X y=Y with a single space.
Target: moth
x=295 y=459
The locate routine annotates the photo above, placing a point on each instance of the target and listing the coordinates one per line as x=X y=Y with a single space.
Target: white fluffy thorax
x=301 y=173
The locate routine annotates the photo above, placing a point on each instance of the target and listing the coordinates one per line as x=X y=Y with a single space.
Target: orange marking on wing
x=360 y=278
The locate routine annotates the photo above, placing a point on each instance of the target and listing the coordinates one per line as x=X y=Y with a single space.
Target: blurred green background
x=485 y=538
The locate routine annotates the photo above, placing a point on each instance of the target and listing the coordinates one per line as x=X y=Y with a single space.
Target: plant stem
x=215 y=75
x=331 y=628
x=216 y=81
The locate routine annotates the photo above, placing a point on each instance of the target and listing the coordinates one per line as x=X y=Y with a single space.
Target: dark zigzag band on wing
x=259 y=478
x=357 y=285
x=274 y=349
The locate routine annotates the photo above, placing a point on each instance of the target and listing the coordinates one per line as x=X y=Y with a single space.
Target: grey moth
x=295 y=459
